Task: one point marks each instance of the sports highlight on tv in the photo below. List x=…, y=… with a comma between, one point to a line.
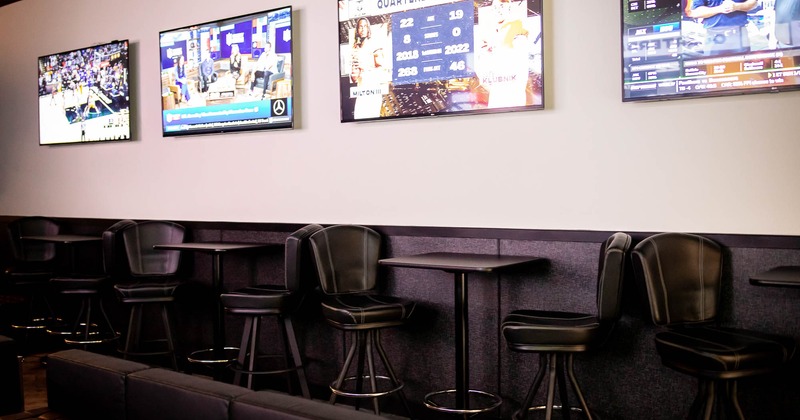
x=229, y=75
x=407, y=58
x=84, y=95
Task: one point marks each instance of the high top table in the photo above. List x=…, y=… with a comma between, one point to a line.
x=783, y=276
x=67, y=241
x=461, y=265
x=218, y=353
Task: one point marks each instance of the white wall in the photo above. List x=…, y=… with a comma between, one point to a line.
x=722, y=165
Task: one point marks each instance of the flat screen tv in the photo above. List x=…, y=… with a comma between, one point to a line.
x=694, y=48
x=228, y=75
x=439, y=57
x=84, y=96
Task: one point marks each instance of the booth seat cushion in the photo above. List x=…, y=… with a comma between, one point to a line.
x=275, y=406
x=86, y=385
x=11, y=400
x=164, y=394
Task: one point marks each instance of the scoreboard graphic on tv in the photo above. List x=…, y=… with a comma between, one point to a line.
x=401, y=58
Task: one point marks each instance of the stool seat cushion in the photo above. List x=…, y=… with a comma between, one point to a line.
x=545, y=331
x=264, y=299
x=144, y=290
x=723, y=352
x=363, y=311
x=79, y=285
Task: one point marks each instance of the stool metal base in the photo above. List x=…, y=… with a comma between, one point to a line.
x=483, y=402
x=210, y=356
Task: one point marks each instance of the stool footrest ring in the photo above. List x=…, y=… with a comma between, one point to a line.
x=365, y=378
x=490, y=402
x=238, y=368
x=94, y=338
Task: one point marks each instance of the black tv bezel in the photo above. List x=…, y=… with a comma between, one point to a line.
x=130, y=96
x=526, y=108
x=689, y=95
x=244, y=128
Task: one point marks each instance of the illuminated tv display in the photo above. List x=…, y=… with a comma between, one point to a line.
x=228, y=75
x=439, y=57
x=84, y=95
x=694, y=48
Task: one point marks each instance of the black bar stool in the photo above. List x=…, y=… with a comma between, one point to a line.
x=346, y=257
x=557, y=336
x=254, y=303
x=154, y=274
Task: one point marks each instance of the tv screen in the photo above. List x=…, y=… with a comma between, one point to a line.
x=692, y=48
x=83, y=95
x=439, y=57
x=228, y=75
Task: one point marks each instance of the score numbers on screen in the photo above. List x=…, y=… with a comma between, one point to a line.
x=432, y=43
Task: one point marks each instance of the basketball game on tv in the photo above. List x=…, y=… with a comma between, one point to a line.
x=439, y=57
x=693, y=48
x=228, y=75
x=83, y=95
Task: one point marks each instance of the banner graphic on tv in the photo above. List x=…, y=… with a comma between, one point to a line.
x=228, y=75
x=83, y=95
x=690, y=48
x=438, y=57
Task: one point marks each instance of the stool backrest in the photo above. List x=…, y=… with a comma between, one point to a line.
x=300, y=274
x=115, y=260
x=346, y=257
x=682, y=275
x=32, y=251
x=610, y=276
x=143, y=260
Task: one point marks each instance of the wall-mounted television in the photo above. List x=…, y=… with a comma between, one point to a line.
x=439, y=57
x=693, y=48
x=84, y=95
x=233, y=74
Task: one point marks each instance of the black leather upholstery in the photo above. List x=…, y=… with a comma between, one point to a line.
x=263, y=300
x=143, y=260
x=351, y=311
x=682, y=276
x=153, y=271
x=346, y=259
x=32, y=252
x=271, y=299
x=83, y=385
x=11, y=394
x=164, y=394
x=553, y=333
